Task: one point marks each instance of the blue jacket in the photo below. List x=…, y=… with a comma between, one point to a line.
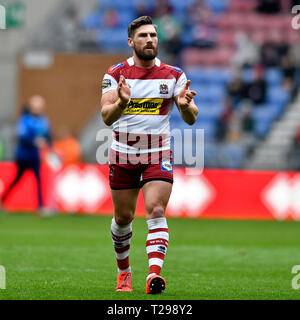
x=30, y=127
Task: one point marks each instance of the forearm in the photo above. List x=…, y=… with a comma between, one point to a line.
x=112, y=112
x=189, y=114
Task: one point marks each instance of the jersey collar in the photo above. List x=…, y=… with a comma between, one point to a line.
x=130, y=61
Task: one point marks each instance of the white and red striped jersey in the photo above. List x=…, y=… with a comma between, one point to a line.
x=152, y=100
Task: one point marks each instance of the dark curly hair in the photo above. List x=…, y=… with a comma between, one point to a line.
x=143, y=20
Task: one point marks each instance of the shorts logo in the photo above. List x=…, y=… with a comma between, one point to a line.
x=143, y=106
x=163, y=88
x=166, y=166
x=106, y=83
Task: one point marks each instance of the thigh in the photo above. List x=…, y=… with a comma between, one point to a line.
x=156, y=196
x=162, y=171
x=124, y=204
x=124, y=177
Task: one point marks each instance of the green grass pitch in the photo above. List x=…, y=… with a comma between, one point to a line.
x=71, y=257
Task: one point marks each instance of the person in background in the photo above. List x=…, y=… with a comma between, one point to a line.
x=256, y=90
x=290, y=75
x=247, y=53
x=201, y=21
x=236, y=88
x=111, y=18
x=33, y=133
x=161, y=8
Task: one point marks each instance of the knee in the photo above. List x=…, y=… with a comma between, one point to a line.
x=157, y=212
x=123, y=218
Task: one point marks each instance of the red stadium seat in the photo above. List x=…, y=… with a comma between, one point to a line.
x=232, y=21
x=293, y=37
x=219, y=56
x=273, y=36
x=258, y=36
x=242, y=6
x=226, y=38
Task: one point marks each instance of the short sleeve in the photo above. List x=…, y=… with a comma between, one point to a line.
x=108, y=83
x=180, y=83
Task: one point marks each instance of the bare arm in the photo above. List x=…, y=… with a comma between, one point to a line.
x=185, y=104
x=114, y=102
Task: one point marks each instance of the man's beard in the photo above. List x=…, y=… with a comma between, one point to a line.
x=144, y=55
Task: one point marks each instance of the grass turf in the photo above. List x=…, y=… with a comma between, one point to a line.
x=71, y=257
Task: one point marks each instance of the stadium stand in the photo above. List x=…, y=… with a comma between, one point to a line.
x=241, y=59
x=247, y=37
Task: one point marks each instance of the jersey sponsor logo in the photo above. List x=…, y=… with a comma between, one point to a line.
x=143, y=106
x=106, y=83
x=163, y=88
x=166, y=166
x=117, y=66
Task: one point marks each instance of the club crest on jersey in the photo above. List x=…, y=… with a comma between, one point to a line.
x=163, y=88
x=166, y=166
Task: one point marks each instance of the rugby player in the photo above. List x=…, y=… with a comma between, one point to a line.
x=137, y=98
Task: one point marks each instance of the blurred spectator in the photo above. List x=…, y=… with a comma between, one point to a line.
x=236, y=88
x=247, y=53
x=270, y=55
x=224, y=120
x=161, y=8
x=141, y=9
x=68, y=32
x=274, y=49
x=67, y=147
x=256, y=90
x=202, y=25
x=268, y=6
x=235, y=129
x=111, y=18
x=289, y=72
x=244, y=113
x=33, y=132
x=288, y=67
x=168, y=31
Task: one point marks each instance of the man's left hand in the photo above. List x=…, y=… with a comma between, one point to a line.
x=185, y=96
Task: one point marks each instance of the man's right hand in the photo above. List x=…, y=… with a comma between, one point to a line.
x=123, y=91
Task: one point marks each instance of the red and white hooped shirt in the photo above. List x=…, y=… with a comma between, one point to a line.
x=148, y=112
